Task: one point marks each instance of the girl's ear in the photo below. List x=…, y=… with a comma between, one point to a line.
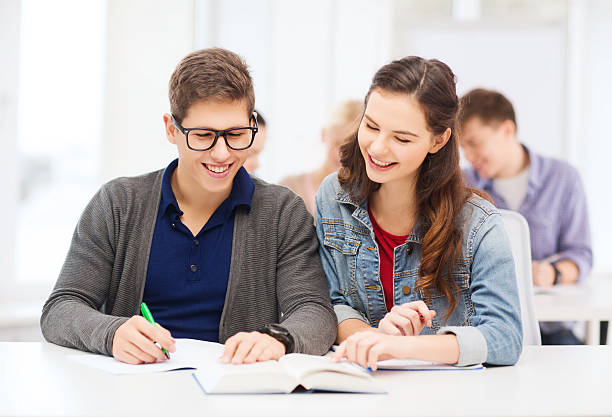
x=440, y=140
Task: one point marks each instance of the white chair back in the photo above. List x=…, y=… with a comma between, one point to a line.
x=518, y=233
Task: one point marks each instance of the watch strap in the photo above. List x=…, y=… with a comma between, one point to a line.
x=281, y=334
x=557, y=274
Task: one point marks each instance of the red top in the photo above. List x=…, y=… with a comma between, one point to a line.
x=386, y=244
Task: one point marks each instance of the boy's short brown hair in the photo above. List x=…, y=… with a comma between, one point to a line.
x=212, y=73
x=490, y=106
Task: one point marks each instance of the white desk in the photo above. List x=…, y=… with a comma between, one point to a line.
x=591, y=302
x=37, y=380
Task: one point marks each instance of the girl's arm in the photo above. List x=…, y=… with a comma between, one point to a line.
x=367, y=348
x=349, y=327
x=494, y=334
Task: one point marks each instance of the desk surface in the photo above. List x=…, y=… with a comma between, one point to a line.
x=589, y=301
x=36, y=379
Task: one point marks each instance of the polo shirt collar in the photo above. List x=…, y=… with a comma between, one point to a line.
x=168, y=199
x=241, y=194
x=242, y=190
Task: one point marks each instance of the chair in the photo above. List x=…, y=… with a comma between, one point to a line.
x=518, y=233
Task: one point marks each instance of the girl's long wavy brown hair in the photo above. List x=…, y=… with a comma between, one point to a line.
x=440, y=190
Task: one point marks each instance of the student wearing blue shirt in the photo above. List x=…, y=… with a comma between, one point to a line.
x=418, y=265
x=548, y=192
x=216, y=254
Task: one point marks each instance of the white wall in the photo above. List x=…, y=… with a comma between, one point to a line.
x=9, y=70
x=145, y=41
x=524, y=61
x=596, y=139
x=305, y=57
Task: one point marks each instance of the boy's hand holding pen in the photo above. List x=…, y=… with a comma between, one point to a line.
x=140, y=340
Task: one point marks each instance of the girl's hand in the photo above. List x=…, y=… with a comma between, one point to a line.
x=407, y=319
x=368, y=347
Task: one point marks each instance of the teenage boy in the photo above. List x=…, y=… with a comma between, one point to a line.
x=546, y=191
x=216, y=255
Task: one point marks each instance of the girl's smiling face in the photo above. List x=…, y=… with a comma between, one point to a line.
x=394, y=137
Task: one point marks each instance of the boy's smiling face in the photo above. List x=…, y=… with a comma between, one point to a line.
x=213, y=170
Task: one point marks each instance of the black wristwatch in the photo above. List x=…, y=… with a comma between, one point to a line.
x=279, y=333
x=557, y=274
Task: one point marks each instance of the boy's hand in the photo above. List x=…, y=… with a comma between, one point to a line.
x=543, y=274
x=251, y=347
x=134, y=342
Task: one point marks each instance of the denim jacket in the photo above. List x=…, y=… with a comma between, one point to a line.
x=487, y=319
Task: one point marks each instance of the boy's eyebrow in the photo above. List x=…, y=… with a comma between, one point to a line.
x=401, y=132
x=212, y=128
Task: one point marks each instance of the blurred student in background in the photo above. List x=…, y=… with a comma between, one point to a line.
x=252, y=162
x=546, y=191
x=342, y=120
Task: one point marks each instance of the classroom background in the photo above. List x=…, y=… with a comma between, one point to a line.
x=83, y=86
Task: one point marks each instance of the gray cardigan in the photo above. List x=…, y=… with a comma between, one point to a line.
x=275, y=273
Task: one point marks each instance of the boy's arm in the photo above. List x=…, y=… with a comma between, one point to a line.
x=575, y=236
x=301, y=286
x=71, y=315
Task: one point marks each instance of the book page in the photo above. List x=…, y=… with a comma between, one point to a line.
x=299, y=365
x=189, y=354
x=417, y=365
x=321, y=373
x=260, y=377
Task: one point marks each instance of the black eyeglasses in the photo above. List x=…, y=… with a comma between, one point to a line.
x=202, y=139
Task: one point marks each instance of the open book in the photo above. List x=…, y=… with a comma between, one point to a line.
x=282, y=376
x=291, y=371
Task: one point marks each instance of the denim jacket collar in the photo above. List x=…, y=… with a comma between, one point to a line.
x=361, y=214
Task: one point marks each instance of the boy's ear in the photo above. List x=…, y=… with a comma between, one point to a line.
x=171, y=130
x=440, y=140
x=508, y=128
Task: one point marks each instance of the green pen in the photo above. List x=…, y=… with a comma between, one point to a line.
x=147, y=315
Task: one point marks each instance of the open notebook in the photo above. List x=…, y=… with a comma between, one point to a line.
x=417, y=365
x=285, y=375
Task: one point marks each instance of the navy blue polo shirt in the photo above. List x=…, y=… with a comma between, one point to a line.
x=187, y=275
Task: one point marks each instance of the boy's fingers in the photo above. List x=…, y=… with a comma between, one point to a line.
x=168, y=335
x=256, y=353
x=146, y=345
x=242, y=351
x=139, y=354
x=230, y=347
x=127, y=357
x=157, y=334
